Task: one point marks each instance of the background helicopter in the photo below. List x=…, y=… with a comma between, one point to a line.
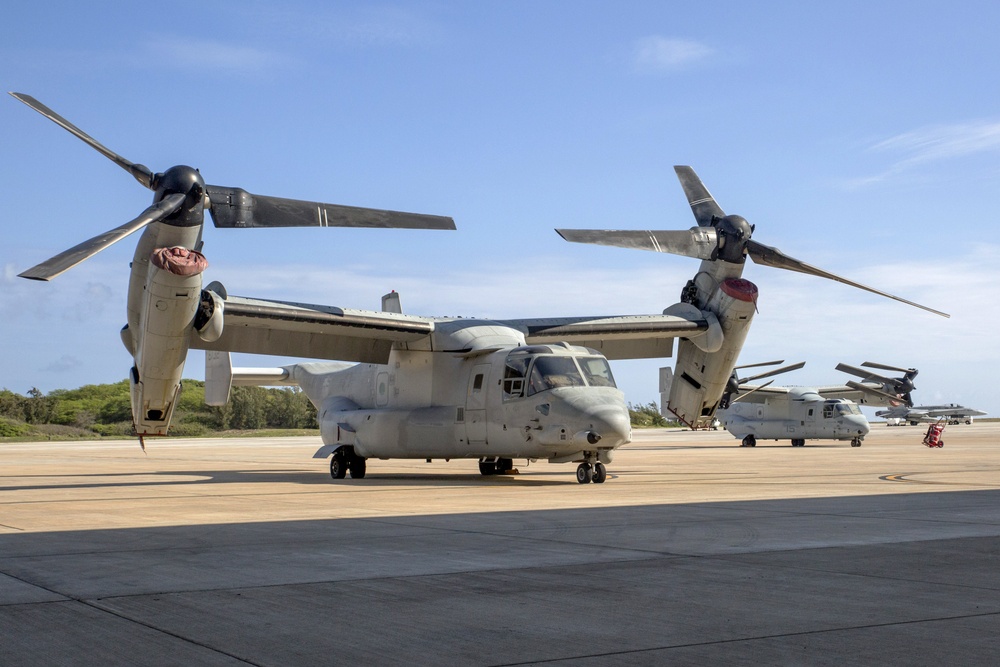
x=755, y=412
x=426, y=386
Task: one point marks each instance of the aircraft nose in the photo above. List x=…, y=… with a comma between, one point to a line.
x=610, y=426
x=859, y=425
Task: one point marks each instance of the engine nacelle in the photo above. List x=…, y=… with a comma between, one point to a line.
x=701, y=376
x=166, y=315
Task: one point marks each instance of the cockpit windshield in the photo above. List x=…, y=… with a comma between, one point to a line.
x=848, y=409
x=553, y=372
x=527, y=374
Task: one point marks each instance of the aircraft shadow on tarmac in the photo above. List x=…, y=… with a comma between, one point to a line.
x=310, y=478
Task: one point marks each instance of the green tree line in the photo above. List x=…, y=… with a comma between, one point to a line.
x=105, y=410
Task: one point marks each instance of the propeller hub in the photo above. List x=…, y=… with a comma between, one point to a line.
x=188, y=182
x=734, y=234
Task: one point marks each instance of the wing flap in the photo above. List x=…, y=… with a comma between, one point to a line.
x=260, y=326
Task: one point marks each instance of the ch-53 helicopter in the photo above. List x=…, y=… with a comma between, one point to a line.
x=764, y=412
x=423, y=387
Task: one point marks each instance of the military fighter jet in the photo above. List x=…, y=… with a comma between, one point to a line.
x=423, y=387
x=954, y=414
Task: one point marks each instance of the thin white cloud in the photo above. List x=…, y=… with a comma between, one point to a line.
x=354, y=27
x=658, y=53
x=215, y=55
x=933, y=144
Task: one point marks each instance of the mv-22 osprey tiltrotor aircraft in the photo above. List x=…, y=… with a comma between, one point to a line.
x=764, y=412
x=422, y=387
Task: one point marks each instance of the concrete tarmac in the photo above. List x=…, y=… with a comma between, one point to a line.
x=694, y=552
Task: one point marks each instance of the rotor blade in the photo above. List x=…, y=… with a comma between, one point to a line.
x=742, y=396
x=235, y=207
x=697, y=242
x=872, y=364
x=776, y=371
x=702, y=203
x=139, y=172
x=881, y=394
x=863, y=374
x=768, y=256
x=67, y=259
x=763, y=363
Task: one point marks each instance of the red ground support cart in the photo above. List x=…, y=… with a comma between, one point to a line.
x=934, y=431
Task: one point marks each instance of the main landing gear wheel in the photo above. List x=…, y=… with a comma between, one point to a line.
x=358, y=466
x=749, y=441
x=856, y=442
x=338, y=466
x=487, y=467
x=600, y=473
x=798, y=442
x=585, y=473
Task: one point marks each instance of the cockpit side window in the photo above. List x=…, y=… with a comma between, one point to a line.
x=597, y=371
x=551, y=372
x=514, y=376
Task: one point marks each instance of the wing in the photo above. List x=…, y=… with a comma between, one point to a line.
x=620, y=337
x=281, y=328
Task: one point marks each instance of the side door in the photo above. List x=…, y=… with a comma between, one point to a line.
x=475, y=405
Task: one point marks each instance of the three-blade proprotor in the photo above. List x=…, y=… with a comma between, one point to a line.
x=140, y=172
x=735, y=382
x=67, y=259
x=718, y=238
x=230, y=207
x=697, y=242
x=892, y=398
x=236, y=208
x=769, y=256
x=900, y=387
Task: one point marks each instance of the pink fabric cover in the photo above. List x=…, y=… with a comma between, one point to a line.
x=179, y=261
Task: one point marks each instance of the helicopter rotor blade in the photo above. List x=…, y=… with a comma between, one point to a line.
x=697, y=242
x=763, y=363
x=740, y=397
x=770, y=256
x=237, y=208
x=67, y=259
x=139, y=172
x=872, y=364
x=776, y=371
x=702, y=203
x=863, y=374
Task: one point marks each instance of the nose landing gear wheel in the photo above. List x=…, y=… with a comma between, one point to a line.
x=856, y=442
x=584, y=473
x=600, y=473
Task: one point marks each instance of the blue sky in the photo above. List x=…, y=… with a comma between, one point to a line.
x=860, y=137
